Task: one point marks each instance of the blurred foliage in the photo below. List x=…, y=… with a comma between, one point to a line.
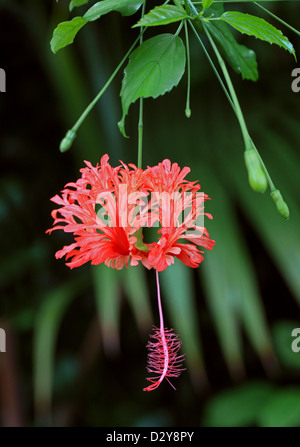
x=255, y=404
x=76, y=339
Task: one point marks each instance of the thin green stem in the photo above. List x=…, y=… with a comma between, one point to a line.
x=234, y=98
x=141, y=110
x=213, y=66
x=279, y=19
x=271, y=184
x=231, y=95
x=179, y=28
x=72, y=132
x=140, y=135
x=249, y=145
x=194, y=11
x=187, y=107
x=161, y=317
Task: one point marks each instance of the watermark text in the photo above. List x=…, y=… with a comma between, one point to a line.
x=151, y=209
x=296, y=82
x=2, y=81
x=2, y=340
x=296, y=341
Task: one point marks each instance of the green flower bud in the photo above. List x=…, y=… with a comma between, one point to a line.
x=257, y=178
x=188, y=112
x=281, y=206
x=67, y=142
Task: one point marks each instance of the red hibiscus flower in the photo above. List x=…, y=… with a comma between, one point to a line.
x=107, y=208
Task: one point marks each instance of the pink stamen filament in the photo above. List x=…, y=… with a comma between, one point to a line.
x=163, y=359
x=162, y=331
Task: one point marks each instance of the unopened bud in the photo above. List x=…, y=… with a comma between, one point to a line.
x=188, y=112
x=281, y=206
x=257, y=178
x=67, y=142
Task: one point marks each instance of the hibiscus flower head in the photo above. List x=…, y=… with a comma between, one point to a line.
x=107, y=209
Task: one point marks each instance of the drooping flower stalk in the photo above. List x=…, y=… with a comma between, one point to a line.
x=163, y=358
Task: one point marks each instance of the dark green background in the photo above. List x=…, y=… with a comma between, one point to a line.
x=99, y=370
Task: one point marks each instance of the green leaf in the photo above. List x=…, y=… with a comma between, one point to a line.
x=125, y=7
x=65, y=33
x=241, y=58
x=76, y=3
x=237, y=407
x=154, y=68
x=282, y=409
x=162, y=15
x=207, y=3
x=257, y=27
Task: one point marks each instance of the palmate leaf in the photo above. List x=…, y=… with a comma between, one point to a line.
x=162, y=15
x=154, y=68
x=65, y=32
x=239, y=57
x=257, y=27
